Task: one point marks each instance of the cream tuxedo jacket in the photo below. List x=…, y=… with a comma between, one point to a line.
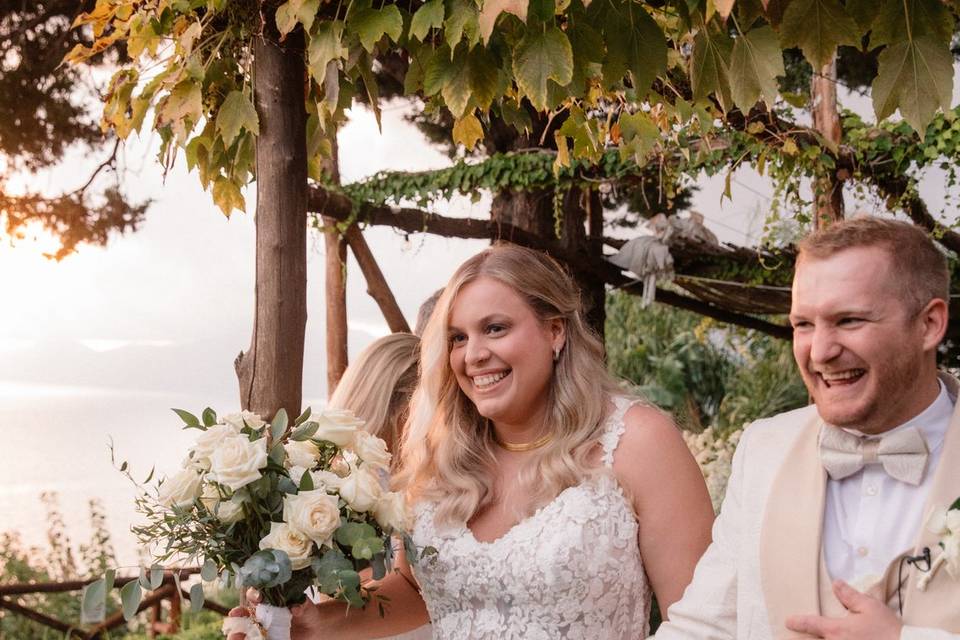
x=764, y=561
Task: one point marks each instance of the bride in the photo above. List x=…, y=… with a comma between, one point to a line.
x=555, y=502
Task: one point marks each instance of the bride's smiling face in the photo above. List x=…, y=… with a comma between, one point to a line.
x=500, y=351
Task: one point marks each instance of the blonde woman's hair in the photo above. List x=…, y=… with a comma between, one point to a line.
x=447, y=450
x=377, y=385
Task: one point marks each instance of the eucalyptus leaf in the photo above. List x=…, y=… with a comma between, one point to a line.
x=130, y=596
x=279, y=424
x=303, y=417
x=352, y=532
x=196, y=597
x=379, y=566
x=305, y=431
x=144, y=580
x=93, y=603
x=156, y=576
x=208, y=572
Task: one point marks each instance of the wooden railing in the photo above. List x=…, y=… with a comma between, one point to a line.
x=168, y=590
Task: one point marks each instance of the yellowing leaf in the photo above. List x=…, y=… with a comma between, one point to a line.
x=541, y=56
x=294, y=11
x=372, y=24
x=184, y=102
x=237, y=112
x=640, y=136
x=817, y=27
x=755, y=63
x=467, y=131
x=227, y=196
x=189, y=37
x=916, y=77
x=326, y=44
x=493, y=8
x=429, y=16
x=790, y=147
x=563, y=152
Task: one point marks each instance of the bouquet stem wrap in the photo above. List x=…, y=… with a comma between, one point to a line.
x=275, y=620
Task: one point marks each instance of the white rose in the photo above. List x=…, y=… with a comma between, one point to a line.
x=371, y=449
x=314, y=514
x=242, y=419
x=361, y=489
x=207, y=443
x=296, y=474
x=953, y=520
x=181, y=489
x=302, y=453
x=937, y=522
x=338, y=427
x=326, y=480
x=296, y=545
x=951, y=552
x=229, y=511
x=237, y=461
x=392, y=513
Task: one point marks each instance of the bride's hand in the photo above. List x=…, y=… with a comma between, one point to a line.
x=307, y=622
x=253, y=598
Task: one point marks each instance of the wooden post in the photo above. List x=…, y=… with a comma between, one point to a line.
x=826, y=120
x=335, y=281
x=271, y=372
x=377, y=285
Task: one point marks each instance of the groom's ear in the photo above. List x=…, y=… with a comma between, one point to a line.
x=934, y=317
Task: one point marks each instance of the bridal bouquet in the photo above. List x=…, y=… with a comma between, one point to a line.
x=279, y=507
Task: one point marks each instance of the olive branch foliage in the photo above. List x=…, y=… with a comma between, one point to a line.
x=650, y=80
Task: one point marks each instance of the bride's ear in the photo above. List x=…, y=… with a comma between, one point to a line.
x=558, y=334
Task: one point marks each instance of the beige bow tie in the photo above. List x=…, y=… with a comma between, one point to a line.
x=902, y=453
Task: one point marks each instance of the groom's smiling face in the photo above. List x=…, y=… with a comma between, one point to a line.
x=862, y=351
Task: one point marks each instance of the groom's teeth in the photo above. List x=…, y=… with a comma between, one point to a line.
x=841, y=375
x=487, y=380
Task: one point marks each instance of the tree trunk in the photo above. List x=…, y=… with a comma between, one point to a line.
x=826, y=120
x=533, y=211
x=271, y=372
x=335, y=265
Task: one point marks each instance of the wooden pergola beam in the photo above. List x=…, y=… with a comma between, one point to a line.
x=377, y=285
x=338, y=206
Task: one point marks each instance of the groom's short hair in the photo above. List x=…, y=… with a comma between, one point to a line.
x=920, y=265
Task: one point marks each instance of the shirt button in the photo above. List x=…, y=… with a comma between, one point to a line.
x=862, y=552
x=871, y=490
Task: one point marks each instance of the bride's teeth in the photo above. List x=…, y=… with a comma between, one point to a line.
x=487, y=380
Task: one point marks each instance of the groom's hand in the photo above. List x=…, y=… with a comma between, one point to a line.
x=868, y=619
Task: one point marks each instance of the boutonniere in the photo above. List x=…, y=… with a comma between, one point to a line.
x=945, y=523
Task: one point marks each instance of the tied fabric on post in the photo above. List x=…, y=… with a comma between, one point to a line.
x=902, y=453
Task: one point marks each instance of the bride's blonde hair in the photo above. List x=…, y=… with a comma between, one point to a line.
x=447, y=454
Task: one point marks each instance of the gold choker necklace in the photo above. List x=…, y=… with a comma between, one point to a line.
x=523, y=446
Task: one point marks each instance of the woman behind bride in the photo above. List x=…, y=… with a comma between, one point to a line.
x=554, y=501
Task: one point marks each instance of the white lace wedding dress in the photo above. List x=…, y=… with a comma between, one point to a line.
x=572, y=570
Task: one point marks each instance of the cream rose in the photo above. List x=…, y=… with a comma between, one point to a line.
x=284, y=538
x=338, y=427
x=937, y=522
x=302, y=453
x=953, y=520
x=314, y=514
x=326, y=480
x=237, y=461
x=371, y=449
x=392, y=513
x=296, y=474
x=229, y=511
x=207, y=443
x=180, y=490
x=242, y=419
x=361, y=489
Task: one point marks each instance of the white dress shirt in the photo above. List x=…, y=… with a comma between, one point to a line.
x=870, y=518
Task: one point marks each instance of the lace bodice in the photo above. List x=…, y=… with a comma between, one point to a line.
x=571, y=570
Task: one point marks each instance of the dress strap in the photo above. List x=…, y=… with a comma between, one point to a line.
x=614, y=428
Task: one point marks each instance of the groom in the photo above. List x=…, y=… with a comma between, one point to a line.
x=823, y=530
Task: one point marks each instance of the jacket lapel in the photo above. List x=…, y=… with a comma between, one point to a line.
x=790, y=534
x=942, y=591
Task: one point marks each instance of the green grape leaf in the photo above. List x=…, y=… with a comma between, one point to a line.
x=492, y=9
x=640, y=136
x=429, y=16
x=237, y=112
x=483, y=76
x=710, y=64
x=901, y=20
x=818, y=27
x=916, y=77
x=326, y=44
x=635, y=43
x=371, y=25
x=541, y=56
x=755, y=63
x=462, y=21
x=864, y=12
x=456, y=85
